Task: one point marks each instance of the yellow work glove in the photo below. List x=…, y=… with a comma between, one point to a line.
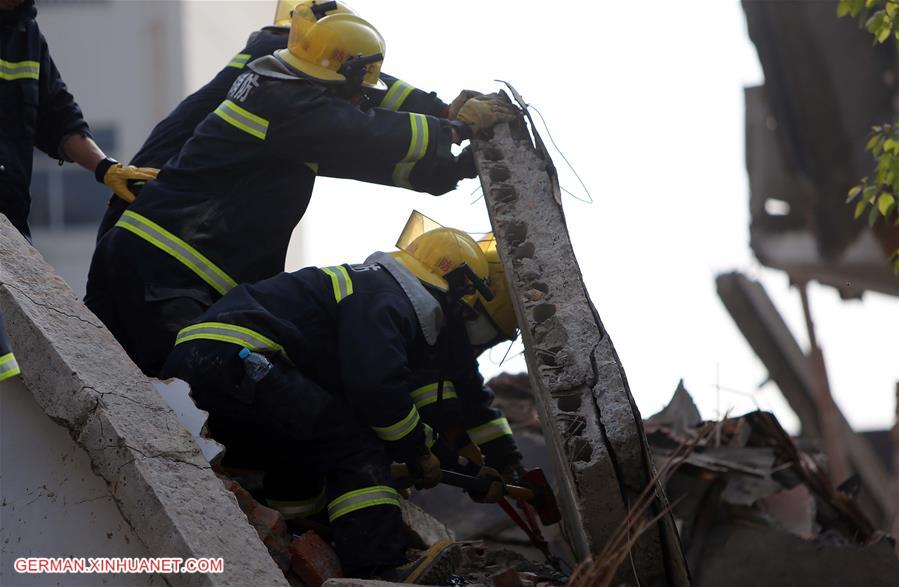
x=463, y=97
x=483, y=112
x=496, y=489
x=116, y=176
x=425, y=470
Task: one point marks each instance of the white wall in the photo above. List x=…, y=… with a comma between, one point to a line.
x=123, y=61
x=51, y=503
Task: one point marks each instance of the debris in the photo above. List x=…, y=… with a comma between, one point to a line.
x=424, y=529
x=754, y=509
x=157, y=476
x=589, y=418
x=771, y=339
x=508, y=578
x=268, y=523
x=313, y=560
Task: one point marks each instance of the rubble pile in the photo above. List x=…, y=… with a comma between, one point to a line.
x=753, y=508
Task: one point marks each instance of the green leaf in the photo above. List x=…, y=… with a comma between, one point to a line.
x=873, y=215
x=875, y=22
x=856, y=190
x=884, y=202
x=859, y=208
x=844, y=8
x=890, y=145
x=884, y=34
x=892, y=8
x=872, y=141
x=869, y=193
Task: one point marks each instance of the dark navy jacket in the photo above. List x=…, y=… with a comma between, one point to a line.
x=354, y=330
x=36, y=109
x=174, y=130
x=227, y=204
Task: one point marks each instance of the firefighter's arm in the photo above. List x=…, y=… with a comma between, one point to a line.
x=403, y=97
x=378, y=146
x=485, y=425
x=373, y=333
x=58, y=115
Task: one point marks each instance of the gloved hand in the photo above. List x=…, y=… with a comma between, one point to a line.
x=116, y=176
x=425, y=470
x=463, y=97
x=513, y=474
x=484, y=112
x=496, y=489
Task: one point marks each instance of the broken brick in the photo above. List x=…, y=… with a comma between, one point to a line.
x=313, y=560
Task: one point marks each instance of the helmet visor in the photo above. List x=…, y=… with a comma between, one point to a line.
x=417, y=225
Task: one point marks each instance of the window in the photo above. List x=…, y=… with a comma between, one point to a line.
x=68, y=196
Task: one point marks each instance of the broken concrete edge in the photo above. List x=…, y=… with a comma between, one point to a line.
x=85, y=382
x=588, y=414
x=770, y=338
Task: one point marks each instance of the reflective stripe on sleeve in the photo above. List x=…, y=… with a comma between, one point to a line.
x=239, y=61
x=294, y=509
x=242, y=119
x=9, y=367
x=418, y=146
x=427, y=394
x=396, y=95
x=399, y=430
x=232, y=333
x=490, y=431
x=362, y=498
x=10, y=70
x=340, y=281
x=174, y=246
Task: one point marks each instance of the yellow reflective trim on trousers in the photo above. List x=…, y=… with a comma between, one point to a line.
x=294, y=509
x=180, y=250
x=362, y=498
x=9, y=367
x=399, y=430
x=430, y=436
x=232, y=333
x=490, y=431
x=340, y=281
x=428, y=394
x=396, y=95
x=418, y=146
x=240, y=60
x=13, y=70
x=242, y=119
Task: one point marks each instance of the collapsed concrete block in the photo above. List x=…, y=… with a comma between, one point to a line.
x=84, y=381
x=589, y=418
x=769, y=336
x=424, y=529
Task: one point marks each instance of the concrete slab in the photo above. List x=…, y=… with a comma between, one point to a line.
x=84, y=381
x=589, y=418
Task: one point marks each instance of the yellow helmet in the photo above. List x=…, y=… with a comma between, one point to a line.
x=340, y=49
x=445, y=258
x=499, y=309
x=309, y=10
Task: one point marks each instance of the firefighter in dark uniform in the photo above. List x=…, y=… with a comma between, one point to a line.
x=36, y=110
x=222, y=211
x=167, y=137
x=340, y=401
x=450, y=394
